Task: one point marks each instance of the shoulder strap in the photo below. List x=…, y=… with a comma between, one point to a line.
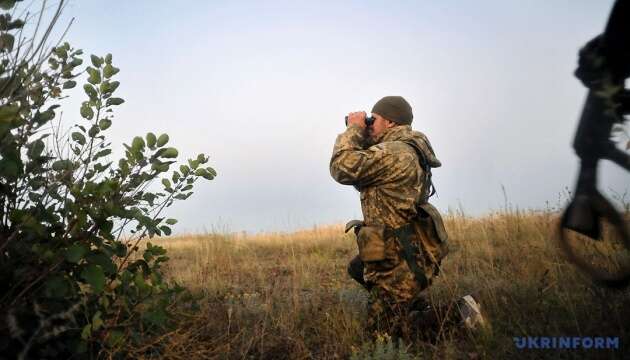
x=403, y=233
x=424, y=164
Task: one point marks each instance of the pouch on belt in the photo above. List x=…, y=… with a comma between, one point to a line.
x=370, y=240
x=432, y=232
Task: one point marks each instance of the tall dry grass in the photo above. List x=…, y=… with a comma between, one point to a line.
x=288, y=296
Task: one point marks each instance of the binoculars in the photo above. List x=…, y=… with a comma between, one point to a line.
x=368, y=121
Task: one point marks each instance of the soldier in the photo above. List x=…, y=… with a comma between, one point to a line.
x=401, y=238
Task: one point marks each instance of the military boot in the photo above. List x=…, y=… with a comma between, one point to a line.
x=470, y=312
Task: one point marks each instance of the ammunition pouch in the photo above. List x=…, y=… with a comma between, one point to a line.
x=432, y=233
x=370, y=240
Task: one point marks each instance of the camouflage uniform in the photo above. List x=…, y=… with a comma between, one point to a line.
x=392, y=182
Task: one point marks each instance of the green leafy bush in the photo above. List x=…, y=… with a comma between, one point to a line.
x=75, y=275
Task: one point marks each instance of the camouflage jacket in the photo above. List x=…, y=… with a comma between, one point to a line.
x=391, y=176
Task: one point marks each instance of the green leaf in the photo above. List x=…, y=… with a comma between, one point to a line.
x=97, y=322
x=102, y=153
x=75, y=253
x=94, y=130
x=187, y=187
x=137, y=144
x=149, y=197
x=123, y=165
x=96, y=61
x=114, y=101
x=166, y=183
x=109, y=70
x=69, y=84
x=76, y=61
x=104, y=124
x=158, y=250
x=171, y=221
x=162, y=140
x=93, y=275
x=54, y=64
x=166, y=230
x=108, y=58
x=61, y=52
x=151, y=140
x=113, y=86
x=86, y=332
x=90, y=91
x=16, y=24
x=103, y=260
x=78, y=137
x=160, y=167
x=35, y=149
x=138, y=280
x=44, y=116
x=170, y=153
x=34, y=197
x=202, y=159
x=120, y=249
x=62, y=165
x=86, y=111
x=10, y=168
x=194, y=164
x=7, y=4
x=207, y=173
x=6, y=42
x=148, y=254
x=104, y=87
x=8, y=112
x=95, y=76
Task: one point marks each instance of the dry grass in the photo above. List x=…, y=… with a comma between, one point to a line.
x=276, y=296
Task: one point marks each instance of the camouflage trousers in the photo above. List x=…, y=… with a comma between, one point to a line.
x=396, y=304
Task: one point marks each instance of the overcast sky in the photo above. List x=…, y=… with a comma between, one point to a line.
x=263, y=87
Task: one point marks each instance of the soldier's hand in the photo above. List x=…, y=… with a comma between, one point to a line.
x=357, y=118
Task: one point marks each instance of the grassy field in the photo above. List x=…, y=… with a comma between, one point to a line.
x=287, y=296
